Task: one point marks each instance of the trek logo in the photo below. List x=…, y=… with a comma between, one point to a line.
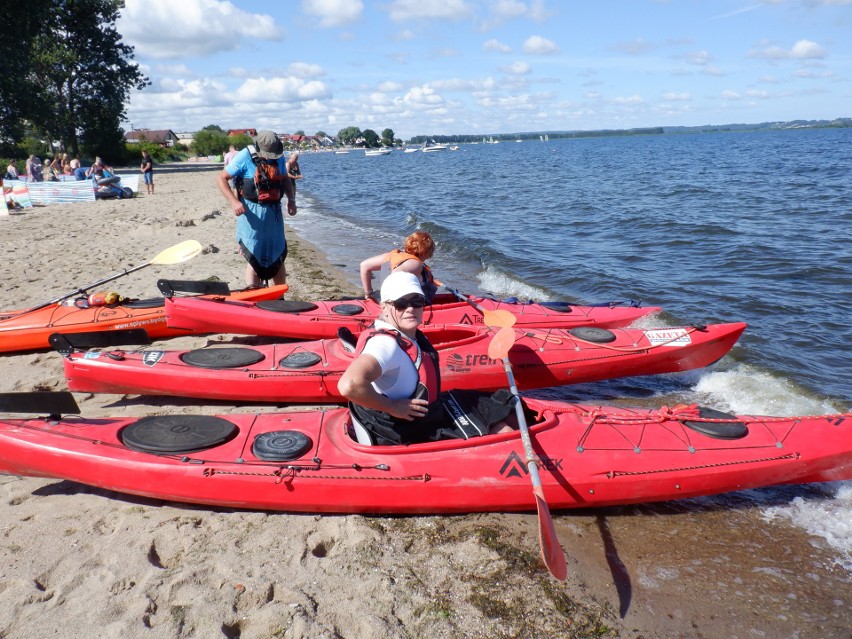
x=464, y=363
x=152, y=357
x=467, y=319
x=514, y=466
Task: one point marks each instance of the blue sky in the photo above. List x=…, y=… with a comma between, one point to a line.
x=439, y=67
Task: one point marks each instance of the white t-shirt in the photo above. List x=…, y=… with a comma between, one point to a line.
x=399, y=378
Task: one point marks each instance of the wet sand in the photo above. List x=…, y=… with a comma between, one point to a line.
x=78, y=561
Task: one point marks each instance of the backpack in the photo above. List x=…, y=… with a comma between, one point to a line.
x=266, y=186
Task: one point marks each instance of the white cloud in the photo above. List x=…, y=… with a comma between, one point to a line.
x=672, y=96
x=390, y=87
x=180, y=70
x=801, y=50
x=403, y=10
x=334, y=13
x=805, y=49
x=277, y=90
x=728, y=94
x=168, y=29
x=517, y=68
x=495, y=45
x=539, y=45
x=423, y=97
x=305, y=70
x=632, y=99
x=699, y=58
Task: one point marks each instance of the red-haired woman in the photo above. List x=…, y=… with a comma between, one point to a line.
x=417, y=248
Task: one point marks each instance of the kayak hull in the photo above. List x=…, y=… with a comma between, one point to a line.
x=22, y=331
x=277, y=372
x=590, y=456
x=323, y=320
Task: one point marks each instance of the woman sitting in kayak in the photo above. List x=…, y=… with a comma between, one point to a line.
x=394, y=384
x=417, y=248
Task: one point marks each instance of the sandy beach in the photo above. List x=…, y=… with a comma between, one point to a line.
x=81, y=562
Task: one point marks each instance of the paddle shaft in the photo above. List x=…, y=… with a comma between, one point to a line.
x=551, y=550
x=83, y=289
x=494, y=319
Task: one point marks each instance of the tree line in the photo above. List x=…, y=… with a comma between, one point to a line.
x=67, y=78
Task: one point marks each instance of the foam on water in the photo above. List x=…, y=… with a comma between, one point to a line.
x=829, y=518
x=502, y=285
x=745, y=389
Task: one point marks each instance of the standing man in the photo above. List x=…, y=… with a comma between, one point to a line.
x=260, y=179
x=147, y=170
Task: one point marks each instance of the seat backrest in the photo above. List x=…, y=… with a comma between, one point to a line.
x=362, y=435
x=347, y=338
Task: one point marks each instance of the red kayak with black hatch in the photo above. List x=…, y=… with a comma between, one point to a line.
x=318, y=320
x=309, y=371
x=310, y=461
x=30, y=329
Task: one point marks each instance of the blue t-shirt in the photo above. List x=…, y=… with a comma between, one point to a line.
x=80, y=173
x=261, y=228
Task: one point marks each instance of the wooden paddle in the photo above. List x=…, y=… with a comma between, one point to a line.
x=495, y=319
x=173, y=255
x=551, y=550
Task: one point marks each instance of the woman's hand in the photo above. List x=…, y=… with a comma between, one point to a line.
x=409, y=409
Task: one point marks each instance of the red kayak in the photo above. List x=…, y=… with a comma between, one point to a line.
x=317, y=320
x=309, y=371
x=309, y=461
x=23, y=330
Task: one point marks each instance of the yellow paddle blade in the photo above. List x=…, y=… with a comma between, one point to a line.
x=501, y=343
x=178, y=253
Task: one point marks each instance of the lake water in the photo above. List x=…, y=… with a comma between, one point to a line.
x=750, y=227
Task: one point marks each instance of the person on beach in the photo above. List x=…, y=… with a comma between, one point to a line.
x=147, y=170
x=394, y=385
x=260, y=177
x=293, y=170
x=230, y=155
x=11, y=171
x=417, y=248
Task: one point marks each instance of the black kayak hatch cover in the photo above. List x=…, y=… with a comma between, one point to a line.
x=300, y=359
x=593, y=334
x=347, y=309
x=718, y=430
x=221, y=357
x=177, y=434
x=286, y=306
x=281, y=445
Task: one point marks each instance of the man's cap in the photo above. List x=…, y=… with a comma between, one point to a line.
x=268, y=145
x=399, y=284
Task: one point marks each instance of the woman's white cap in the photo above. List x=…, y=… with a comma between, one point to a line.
x=399, y=284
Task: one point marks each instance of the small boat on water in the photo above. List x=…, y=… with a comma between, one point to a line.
x=432, y=148
x=320, y=319
x=375, y=152
x=341, y=152
x=308, y=371
x=310, y=461
x=411, y=150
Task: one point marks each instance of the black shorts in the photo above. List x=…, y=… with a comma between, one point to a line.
x=458, y=414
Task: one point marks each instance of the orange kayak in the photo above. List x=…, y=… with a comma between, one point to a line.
x=25, y=330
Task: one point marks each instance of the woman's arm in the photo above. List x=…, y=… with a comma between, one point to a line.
x=367, y=267
x=356, y=385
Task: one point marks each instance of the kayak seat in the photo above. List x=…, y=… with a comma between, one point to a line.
x=347, y=338
x=361, y=434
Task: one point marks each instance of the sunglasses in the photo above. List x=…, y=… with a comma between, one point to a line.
x=418, y=301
